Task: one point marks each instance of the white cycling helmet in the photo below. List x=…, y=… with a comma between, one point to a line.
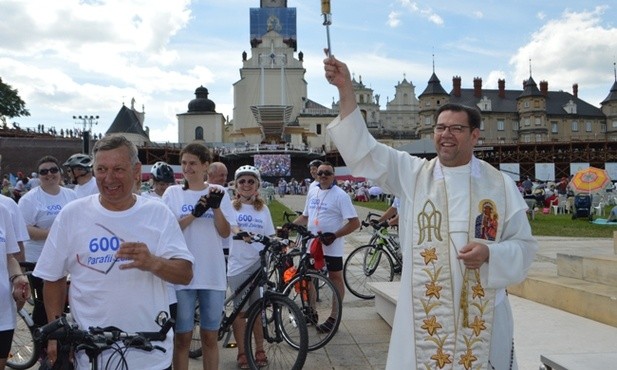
x=163, y=172
x=248, y=170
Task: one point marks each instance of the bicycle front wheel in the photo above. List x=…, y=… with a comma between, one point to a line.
x=279, y=318
x=24, y=349
x=195, y=347
x=366, y=264
x=318, y=299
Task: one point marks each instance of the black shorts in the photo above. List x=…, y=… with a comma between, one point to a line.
x=334, y=263
x=6, y=339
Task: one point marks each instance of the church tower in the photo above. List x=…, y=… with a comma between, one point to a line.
x=201, y=122
x=271, y=91
x=433, y=97
x=609, y=108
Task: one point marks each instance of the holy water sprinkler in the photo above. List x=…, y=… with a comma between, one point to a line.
x=327, y=21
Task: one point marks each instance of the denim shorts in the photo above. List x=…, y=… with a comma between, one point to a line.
x=211, y=304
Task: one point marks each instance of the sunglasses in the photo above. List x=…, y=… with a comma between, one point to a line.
x=325, y=173
x=45, y=171
x=249, y=181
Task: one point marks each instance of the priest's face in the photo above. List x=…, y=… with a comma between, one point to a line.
x=454, y=138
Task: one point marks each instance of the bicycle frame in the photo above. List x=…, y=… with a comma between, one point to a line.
x=382, y=238
x=257, y=280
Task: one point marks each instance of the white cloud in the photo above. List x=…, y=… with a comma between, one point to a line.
x=541, y=15
x=576, y=48
x=425, y=12
x=493, y=78
x=478, y=14
x=394, y=19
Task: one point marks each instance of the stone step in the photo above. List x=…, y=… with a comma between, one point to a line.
x=386, y=296
x=583, y=298
x=594, y=269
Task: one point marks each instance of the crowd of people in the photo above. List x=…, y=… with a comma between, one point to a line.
x=169, y=246
x=464, y=235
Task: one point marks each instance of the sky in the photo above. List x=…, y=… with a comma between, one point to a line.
x=87, y=57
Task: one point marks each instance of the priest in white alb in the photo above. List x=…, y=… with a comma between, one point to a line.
x=464, y=235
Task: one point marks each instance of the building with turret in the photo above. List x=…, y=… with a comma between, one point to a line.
x=273, y=111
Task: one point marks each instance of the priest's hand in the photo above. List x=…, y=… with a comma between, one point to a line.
x=474, y=255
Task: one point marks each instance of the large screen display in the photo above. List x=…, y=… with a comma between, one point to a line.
x=273, y=165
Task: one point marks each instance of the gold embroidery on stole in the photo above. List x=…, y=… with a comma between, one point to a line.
x=443, y=340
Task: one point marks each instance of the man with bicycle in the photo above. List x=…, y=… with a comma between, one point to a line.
x=329, y=211
x=449, y=286
x=120, y=249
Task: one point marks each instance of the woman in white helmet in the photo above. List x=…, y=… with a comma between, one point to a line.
x=253, y=216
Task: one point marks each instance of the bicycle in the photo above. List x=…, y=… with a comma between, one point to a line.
x=379, y=261
x=25, y=351
x=285, y=334
x=309, y=288
x=96, y=340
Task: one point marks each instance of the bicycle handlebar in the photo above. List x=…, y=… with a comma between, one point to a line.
x=300, y=229
x=371, y=215
x=101, y=338
x=376, y=225
x=287, y=216
x=273, y=243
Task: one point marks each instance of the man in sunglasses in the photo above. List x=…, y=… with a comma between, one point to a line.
x=329, y=211
x=80, y=170
x=452, y=307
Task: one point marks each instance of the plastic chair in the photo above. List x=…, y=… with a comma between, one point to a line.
x=561, y=207
x=531, y=205
x=599, y=209
x=555, y=206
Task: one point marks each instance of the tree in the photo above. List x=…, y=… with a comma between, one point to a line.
x=11, y=104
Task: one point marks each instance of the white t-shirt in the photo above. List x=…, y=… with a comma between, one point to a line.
x=86, y=189
x=201, y=237
x=314, y=184
x=396, y=203
x=40, y=209
x=21, y=230
x=152, y=195
x=8, y=245
x=171, y=290
x=327, y=211
x=82, y=242
x=241, y=254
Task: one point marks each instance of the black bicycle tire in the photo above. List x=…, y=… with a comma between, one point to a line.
x=21, y=324
x=279, y=304
x=195, y=350
x=290, y=288
x=350, y=282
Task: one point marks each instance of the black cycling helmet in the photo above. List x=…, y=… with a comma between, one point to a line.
x=163, y=172
x=79, y=160
x=315, y=163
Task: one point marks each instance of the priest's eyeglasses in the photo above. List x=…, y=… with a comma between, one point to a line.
x=454, y=129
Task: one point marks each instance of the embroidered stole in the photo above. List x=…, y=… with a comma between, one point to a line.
x=443, y=339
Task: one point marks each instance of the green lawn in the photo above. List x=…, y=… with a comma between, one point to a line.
x=564, y=225
x=543, y=225
x=276, y=210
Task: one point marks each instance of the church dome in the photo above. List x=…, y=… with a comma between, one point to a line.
x=201, y=103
